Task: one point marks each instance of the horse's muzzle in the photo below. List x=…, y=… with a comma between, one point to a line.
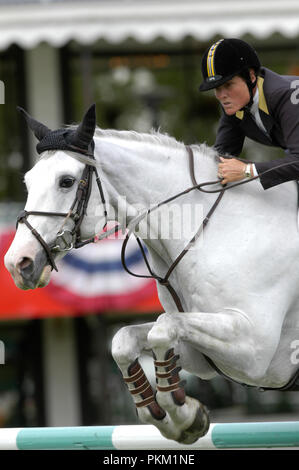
x=29, y=273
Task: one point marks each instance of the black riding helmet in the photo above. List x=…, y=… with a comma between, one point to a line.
x=224, y=60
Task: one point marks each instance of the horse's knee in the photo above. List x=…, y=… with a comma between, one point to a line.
x=124, y=346
x=163, y=333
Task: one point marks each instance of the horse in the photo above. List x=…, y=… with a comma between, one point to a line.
x=237, y=285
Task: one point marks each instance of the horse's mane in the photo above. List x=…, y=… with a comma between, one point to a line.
x=154, y=137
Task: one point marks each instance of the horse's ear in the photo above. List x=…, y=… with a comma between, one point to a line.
x=85, y=131
x=39, y=129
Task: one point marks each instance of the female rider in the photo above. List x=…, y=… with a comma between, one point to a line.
x=256, y=103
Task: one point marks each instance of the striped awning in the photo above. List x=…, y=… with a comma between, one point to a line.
x=29, y=23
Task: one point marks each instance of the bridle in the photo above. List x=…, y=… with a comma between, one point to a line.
x=68, y=239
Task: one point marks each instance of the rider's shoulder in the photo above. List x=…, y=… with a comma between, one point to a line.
x=273, y=81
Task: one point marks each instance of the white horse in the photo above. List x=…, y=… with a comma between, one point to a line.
x=238, y=287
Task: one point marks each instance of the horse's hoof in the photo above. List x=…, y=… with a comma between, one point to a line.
x=198, y=428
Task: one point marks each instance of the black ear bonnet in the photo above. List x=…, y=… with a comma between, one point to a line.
x=78, y=140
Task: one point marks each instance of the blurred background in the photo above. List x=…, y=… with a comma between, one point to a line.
x=139, y=61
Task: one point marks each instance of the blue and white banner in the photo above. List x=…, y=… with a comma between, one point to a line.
x=94, y=276
x=90, y=280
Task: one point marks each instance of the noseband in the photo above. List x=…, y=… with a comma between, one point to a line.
x=67, y=239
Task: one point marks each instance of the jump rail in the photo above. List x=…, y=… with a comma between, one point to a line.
x=147, y=437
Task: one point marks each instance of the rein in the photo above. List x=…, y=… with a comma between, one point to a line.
x=164, y=281
x=68, y=239
x=234, y=185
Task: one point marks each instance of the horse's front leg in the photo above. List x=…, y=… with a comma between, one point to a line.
x=190, y=418
x=228, y=337
x=127, y=346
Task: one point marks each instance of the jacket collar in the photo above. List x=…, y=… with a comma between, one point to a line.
x=262, y=100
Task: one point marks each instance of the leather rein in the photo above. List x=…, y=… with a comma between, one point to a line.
x=164, y=281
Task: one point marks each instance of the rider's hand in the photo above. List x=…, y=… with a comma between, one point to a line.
x=231, y=169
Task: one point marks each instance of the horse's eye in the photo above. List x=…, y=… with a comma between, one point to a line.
x=66, y=182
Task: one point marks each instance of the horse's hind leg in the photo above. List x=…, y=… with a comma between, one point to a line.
x=127, y=346
x=189, y=416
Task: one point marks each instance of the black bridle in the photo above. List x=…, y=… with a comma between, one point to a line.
x=67, y=239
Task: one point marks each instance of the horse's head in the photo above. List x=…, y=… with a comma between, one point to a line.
x=59, y=188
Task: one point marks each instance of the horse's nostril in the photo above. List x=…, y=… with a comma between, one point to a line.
x=25, y=266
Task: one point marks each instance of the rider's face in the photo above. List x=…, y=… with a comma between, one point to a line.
x=233, y=95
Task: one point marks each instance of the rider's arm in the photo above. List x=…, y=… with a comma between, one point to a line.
x=230, y=137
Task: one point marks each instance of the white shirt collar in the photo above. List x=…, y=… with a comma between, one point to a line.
x=255, y=112
x=255, y=105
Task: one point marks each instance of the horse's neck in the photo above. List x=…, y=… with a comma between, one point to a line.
x=139, y=175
